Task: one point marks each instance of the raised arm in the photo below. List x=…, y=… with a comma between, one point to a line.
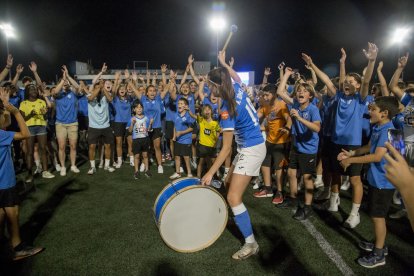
x=19, y=70
x=33, y=68
x=383, y=82
x=402, y=62
x=342, y=71
x=313, y=75
x=281, y=67
x=266, y=75
x=97, y=77
x=321, y=75
x=70, y=79
x=187, y=69
x=117, y=82
x=190, y=64
x=24, y=130
x=163, y=76
x=371, y=55
x=172, y=85
x=233, y=74
x=6, y=69
x=201, y=88
x=281, y=89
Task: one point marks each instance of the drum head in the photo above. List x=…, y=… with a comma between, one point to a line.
x=193, y=219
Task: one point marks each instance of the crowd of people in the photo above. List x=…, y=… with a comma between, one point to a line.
x=290, y=135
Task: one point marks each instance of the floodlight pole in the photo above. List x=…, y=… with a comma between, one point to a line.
x=217, y=46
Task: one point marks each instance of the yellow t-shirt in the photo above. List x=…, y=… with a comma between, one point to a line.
x=275, y=116
x=209, y=132
x=27, y=106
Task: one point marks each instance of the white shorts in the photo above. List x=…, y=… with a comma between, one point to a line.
x=249, y=160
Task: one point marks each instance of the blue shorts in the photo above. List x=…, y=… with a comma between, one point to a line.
x=37, y=130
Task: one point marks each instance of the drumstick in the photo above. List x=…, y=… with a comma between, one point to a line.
x=233, y=29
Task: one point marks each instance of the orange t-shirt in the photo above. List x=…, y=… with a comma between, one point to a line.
x=275, y=116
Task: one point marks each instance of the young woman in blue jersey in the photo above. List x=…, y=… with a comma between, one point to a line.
x=306, y=123
x=350, y=103
x=238, y=117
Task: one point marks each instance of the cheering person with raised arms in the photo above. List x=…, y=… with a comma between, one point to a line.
x=238, y=117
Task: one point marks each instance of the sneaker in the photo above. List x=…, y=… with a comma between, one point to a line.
x=302, y=213
x=163, y=158
x=24, y=251
x=334, y=203
x=137, y=175
x=193, y=163
x=74, y=169
x=38, y=170
x=352, y=221
x=263, y=193
x=117, y=165
x=148, y=174
x=247, y=250
x=63, y=171
x=175, y=176
x=369, y=247
x=92, y=170
x=345, y=184
x=288, y=202
x=372, y=260
x=29, y=178
x=181, y=170
x=142, y=167
x=101, y=164
x=58, y=167
x=396, y=198
x=109, y=169
x=278, y=199
x=323, y=195
x=257, y=186
x=131, y=162
x=399, y=214
x=318, y=183
x=47, y=174
x=160, y=169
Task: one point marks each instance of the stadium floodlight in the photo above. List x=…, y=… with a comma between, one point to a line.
x=400, y=35
x=8, y=31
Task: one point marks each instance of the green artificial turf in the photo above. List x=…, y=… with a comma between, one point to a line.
x=104, y=225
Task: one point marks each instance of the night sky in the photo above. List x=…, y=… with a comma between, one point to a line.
x=53, y=33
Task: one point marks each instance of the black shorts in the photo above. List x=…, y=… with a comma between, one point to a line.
x=9, y=197
x=140, y=145
x=83, y=123
x=306, y=163
x=276, y=155
x=205, y=151
x=182, y=149
x=155, y=133
x=379, y=201
x=195, y=128
x=95, y=133
x=328, y=147
x=51, y=132
x=169, y=130
x=119, y=129
x=352, y=170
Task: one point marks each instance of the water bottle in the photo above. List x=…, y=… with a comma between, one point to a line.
x=216, y=184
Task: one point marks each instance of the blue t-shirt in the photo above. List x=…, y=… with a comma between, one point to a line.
x=15, y=101
x=7, y=175
x=214, y=115
x=190, y=99
x=152, y=109
x=20, y=93
x=182, y=123
x=348, y=119
x=140, y=128
x=398, y=121
x=122, y=110
x=366, y=125
x=245, y=123
x=82, y=105
x=305, y=140
x=170, y=108
x=66, y=107
x=327, y=114
x=376, y=173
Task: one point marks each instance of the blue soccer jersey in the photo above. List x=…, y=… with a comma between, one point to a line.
x=348, y=119
x=408, y=101
x=82, y=105
x=190, y=99
x=181, y=123
x=7, y=175
x=152, y=109
x=304, y=139
x=328, y=114
x=376, y=173
x=140, y=127
x=170, y=108
x=66, y=107
x=245, y=123
x=398, y=121
x=122, y=110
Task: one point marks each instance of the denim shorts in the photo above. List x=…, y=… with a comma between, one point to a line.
x=37, y=130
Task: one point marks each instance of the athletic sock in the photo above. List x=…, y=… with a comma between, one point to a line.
x=107, y=161
x=319, y=177
x=355, y=208
x=92, y=163
x=242, y=219
x=119, y=160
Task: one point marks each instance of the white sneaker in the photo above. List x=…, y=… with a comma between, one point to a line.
x=38, y=170
x=63, y=171
x=74, y=169
x=193, y=163
x=117, y=165
x=352, y=221
x=334, y=203
x=131, y=162
x=399, y=214
x=396, y=198
x=142, y=167
x=345, y=184
x=58, y=167
x=109, y=169
x=92, y=170
x=46, y=174
x=247, y=250
x=175, y=176
x=160, y=169
x=101, y=164
x=181, y=170
x=318, y=183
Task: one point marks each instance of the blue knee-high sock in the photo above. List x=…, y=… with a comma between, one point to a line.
x=242, y=219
